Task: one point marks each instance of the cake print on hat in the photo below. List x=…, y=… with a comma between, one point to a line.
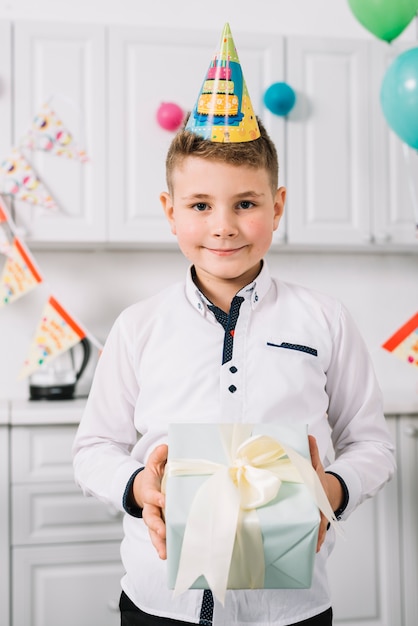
x=223, y=112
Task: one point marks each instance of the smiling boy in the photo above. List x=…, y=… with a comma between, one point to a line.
x=230, y=344
x=223, y=215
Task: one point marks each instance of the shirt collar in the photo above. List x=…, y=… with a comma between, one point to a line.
x=254, y=292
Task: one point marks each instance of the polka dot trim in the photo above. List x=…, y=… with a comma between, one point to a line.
x=295, y=346
x=206, y=612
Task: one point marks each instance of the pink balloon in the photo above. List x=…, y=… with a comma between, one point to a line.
x=169, y=115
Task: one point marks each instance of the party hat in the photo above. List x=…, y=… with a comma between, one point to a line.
x=223, y=112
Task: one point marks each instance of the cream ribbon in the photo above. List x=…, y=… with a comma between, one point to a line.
x=223, y=510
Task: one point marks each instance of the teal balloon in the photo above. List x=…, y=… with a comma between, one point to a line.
x=399, y=96
x=279, y=98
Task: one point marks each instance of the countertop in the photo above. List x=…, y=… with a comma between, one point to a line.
x=39, y=412
x=21, y=412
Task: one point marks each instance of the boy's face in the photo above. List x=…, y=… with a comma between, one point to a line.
x=224, y=217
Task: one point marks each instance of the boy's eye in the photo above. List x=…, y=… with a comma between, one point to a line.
x=245, y=204
x=200, y=206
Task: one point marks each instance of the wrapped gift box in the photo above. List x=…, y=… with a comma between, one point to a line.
x=289, y=523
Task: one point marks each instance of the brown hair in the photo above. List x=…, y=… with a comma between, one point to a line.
x=259, y=153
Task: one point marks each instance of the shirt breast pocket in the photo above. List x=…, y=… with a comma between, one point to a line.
x=298, y=347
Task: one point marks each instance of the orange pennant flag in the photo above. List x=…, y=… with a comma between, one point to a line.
x=404, y=342
x=3, y=217
x=20, y=273
x=6, y=236
x=56, y=333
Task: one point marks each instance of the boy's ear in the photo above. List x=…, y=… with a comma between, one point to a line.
x=168, y=208
x=279, y=202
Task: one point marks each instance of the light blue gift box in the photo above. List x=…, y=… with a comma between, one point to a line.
x=289, y=523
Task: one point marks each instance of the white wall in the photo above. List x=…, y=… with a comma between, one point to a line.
x=328, y=18
x=380, y=290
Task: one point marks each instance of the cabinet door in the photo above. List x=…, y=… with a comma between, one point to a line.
x=64, y=63
x=60, y=513
x=4, y=525
x=328, y=139
x=148, y=67
x=42, y=454
x=70, y=585
x=364, y=570
x=5, y=89
x=408, y=467
x=395, y=164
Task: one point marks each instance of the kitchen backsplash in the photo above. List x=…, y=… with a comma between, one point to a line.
x=380, y=290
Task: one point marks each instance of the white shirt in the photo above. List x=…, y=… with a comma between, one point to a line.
x=162, y=363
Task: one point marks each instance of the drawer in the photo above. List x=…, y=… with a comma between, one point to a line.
x=69, y=585
x=42, y=453
x=60, y=513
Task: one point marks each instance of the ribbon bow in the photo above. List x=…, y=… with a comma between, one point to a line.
x=222, y=520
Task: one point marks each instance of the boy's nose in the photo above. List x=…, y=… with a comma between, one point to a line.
x=224, y=232
x=224, y=226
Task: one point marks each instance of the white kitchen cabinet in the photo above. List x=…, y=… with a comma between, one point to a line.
x=151, y=66
x=394, y=176
x=4, y=517
x=5, y=88
x=65, y=557
x=64, y=64
x=364, y=568
x=346, y=169
x=407, y=433
x=328, y=142
x=67, y=585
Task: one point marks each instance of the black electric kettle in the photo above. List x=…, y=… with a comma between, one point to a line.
x=57, y=379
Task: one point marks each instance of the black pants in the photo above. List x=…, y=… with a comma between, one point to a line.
x=132, y=616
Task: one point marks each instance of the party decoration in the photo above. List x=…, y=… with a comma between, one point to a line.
x=20, y=273
x=223, y=111
x=49, y=134
x=18, y=179
x=170, y=115
x=5, y=243
x=399, y=96
x=3, y=217
x=5, y=239
x=384, y=18
x=404, y=342
x=279, y=98
x=56, y=332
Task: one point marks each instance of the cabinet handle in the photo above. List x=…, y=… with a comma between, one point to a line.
x=411, y=431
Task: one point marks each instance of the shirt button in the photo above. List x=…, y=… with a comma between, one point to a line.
x=233, y=369
x=232, y=388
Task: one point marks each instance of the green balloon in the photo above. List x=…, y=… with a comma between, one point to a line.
x=384, y=18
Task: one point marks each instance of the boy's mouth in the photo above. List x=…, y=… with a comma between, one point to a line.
x=225, y=251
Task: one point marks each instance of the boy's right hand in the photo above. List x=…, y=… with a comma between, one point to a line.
x=147, y=494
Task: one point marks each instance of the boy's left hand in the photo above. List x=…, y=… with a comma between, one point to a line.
x=331, y=485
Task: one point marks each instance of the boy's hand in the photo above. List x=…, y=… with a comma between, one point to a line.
x=331, y=485
x=147, y=494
